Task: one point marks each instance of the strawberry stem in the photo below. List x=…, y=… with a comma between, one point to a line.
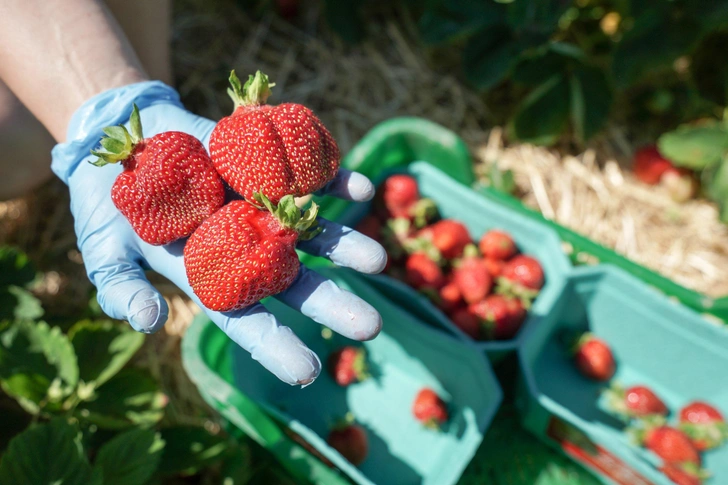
x=118, y=143
x=255, y=91
x=290, y=216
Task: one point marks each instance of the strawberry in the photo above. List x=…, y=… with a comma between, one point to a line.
x=370, y=227
x=704, y=424
x=635, y=402
x=429, y=408
x=594, y=358
x=672, y=445
x=423, y=272
x=351, y=441
x=500, y=316
x=684, y=474
x=448, y=236
x=242, y=254
x=396, y=196
x=348, y=365
x=524, y=271
x=649, y=165
x=495, y=266
x=168, y=186
x=449, y=297
x=471, y=276
x=275, y=150
x=497, y=245
x=467, y=322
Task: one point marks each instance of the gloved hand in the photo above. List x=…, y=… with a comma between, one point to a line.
x=116, y=258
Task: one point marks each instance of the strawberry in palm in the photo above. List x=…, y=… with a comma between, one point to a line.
x=275, y=150
x=168, y=186
x=242, y=254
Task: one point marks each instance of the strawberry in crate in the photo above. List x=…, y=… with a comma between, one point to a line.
x=484, y=286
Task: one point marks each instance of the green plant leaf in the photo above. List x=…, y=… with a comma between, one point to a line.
x=716, y=182
x=37, y=364
x=591, y=99
x=47, y=454
x=103, y=348
x=17, y=303
x=544, y=113
x=130, y=457
x=501, y=180
x=695, y=147
x=489, y=56
x=449, y=20
x=15, y=267
x=130, y=398
x=540, y=65
x=189, y=449
x=711, y=77
x=542, y=16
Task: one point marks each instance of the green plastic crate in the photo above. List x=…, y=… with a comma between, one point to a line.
x=406, y=356
x=656, y=342
x=479, y=215
x=400, y=141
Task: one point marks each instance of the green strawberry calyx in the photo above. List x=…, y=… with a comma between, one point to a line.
x=119, y=143
x=290, y=216
x=254, y=92
x=360, y=367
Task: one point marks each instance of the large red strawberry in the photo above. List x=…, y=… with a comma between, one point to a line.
x=524, y=271
x=448, y=236
x=449, y=297
x=471, y=275
x=684, y=474
x=594, y=358
x=501, y=317
x=274, y=150
x=351, y=441
x=672, y=445
x=704, y=424
x=497, y=245
x=495, y=266
x=423, y=272
x=168, y=186
x=469, y=323
x=242, y=254
x=635, y=401
x=429, y=408
x=348, y=365
x=396, y=196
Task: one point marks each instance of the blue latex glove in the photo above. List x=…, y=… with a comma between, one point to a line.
x=116, y=258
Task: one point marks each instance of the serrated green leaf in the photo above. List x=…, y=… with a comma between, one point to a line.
x=112, y=145
x=447, y=21
x=117, y=133
x=130, y=398
x=540, y=16
x=46, y=454
x=189, y=449
x=17, y=303
x=591, y=99
x=489, y=56
x=544, y=113
x=103, y=348
x=130, y=457
x=37, y=363
x=15, y=267
x=539, y=65
x=695, y=147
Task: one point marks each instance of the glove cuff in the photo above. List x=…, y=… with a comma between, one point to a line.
x=109, y=108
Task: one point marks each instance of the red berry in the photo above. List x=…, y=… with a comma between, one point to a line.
x=704, y=424
x=672, y=445
x=449, y=237
x=467, y=322
x=472, y=277
x=497, y=245
x=397, y=195
x=422, y=272
x=495, y=266
x=168, y=186
x=594, y=358
x=274, y=150
x=525, y=271
x=351, y=441
x=348, y=365
x=450, y=297
x=649, y=165
x=635, y=401
x=683, y=474
x=370, y=227
x=429, y=409
x=501, y=316
x=242, y=254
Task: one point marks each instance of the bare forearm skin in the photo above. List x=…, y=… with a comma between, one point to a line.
x=56, y=54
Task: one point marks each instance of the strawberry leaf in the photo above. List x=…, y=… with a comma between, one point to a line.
x=130, y=457
x=695, y=147
x=15, y=267
x=591, y=98
x=188, y=449
x=544, y=113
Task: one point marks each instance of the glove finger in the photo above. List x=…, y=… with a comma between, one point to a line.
x=349, y=185
x=346, y=247
x=125, y=294
x=273, y=345
x=324, y=302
